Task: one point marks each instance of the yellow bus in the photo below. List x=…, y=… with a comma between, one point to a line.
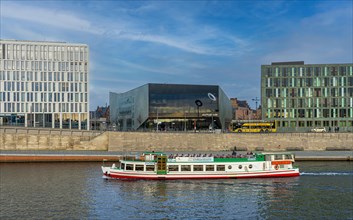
x=255, y=126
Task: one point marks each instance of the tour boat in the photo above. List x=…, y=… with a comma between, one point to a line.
x=160, y=166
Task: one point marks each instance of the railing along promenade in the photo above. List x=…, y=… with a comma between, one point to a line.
x=48, y=131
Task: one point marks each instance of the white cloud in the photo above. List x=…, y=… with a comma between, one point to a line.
x=54, y=18
x=185, y=43
x=325, y=37
x=127, y=29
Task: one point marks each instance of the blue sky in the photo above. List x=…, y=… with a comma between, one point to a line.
x=186, y=42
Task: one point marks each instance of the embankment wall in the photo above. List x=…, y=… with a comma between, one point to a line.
x=43, y=139
x=134, y=141
x=37, y=139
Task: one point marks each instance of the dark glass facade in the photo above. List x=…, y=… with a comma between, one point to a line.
x=173, y=107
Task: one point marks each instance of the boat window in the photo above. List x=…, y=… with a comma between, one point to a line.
x=278, y=157
x=268, y=157
x=209, y=167
x=173, y=168
x=198, y=167
x=240, y=167
x=288, y=156
x=185, y=167
x=122, y=166
x=139, y=167
x=221, y=167
x=229, y=167
x=129, y=167
x=250, y=166
x=149, y=167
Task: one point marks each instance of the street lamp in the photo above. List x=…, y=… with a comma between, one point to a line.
x=198, y=104
x=256, y=100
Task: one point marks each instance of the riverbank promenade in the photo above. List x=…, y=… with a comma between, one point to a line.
x=99, y=156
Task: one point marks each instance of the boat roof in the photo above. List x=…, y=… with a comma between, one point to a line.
x=271, y=153
x=154, y=153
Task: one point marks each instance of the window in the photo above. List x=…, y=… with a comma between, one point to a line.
x=173, y=168
x=278, y=157
x=209, y=167
x=198, y=167
x=221, y=168
x=139, y=167
x=185, y=167
x=288, y=157
x=149, y=167
x=129, y=167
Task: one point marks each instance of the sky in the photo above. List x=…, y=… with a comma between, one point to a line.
x=223, y=43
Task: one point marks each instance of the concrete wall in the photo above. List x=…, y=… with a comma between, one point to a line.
x=37, y=139
x=134, y=141
x=44, y=139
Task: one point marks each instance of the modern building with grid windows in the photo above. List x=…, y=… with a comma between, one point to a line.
x=304, y=96
x=44, y=84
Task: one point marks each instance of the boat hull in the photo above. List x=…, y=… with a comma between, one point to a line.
x=262, y=174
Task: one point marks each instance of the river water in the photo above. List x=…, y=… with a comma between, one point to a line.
x=78, y=191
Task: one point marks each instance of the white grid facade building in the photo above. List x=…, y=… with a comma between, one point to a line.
x=44, y=84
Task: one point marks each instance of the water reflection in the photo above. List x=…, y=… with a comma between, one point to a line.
x=41, y=190
x=200, y=198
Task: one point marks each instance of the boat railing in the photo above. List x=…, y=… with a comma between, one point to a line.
x=248, y=155
x=151, y=157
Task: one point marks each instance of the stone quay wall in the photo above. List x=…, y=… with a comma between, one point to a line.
x=43, y=139
x=139, y=141
x=51, y=139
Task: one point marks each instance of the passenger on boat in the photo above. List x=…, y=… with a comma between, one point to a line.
x=234, y=153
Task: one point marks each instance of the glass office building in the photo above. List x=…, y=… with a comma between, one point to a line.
x=171, y=107
x=44, y=84
x=303, y=96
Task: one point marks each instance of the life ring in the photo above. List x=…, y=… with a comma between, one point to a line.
x=276, y=167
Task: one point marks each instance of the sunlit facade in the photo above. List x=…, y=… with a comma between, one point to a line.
x=171, y=107
x=302, y=96
x=44, y=84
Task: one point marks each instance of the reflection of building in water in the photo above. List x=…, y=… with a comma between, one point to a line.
x=44, y=84
x=171, y=107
